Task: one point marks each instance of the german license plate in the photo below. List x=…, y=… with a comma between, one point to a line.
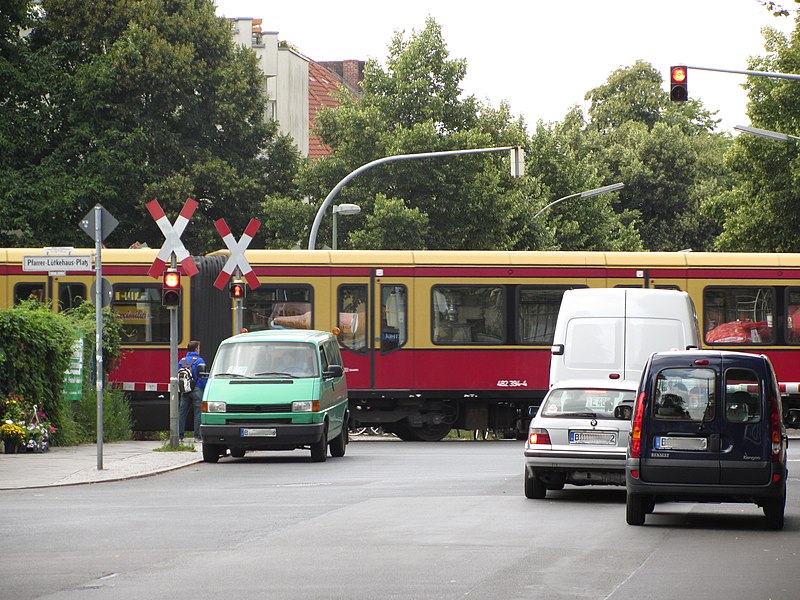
x=257, y=432
x=599, y=438
x=664, y=442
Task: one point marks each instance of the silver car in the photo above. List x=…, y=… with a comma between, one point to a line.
x=579, y=436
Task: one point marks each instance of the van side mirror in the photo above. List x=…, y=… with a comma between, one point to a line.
x=692, y=347
x=557, y=349
x=532, y=410
x=792, y=419
x=333, y=371
x=202, y=371
x=623, y=411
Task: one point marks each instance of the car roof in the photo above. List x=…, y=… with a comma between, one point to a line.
x=602, y=384
x=281, y=335
x=698, y=354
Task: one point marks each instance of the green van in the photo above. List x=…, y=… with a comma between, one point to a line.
x=276, y=390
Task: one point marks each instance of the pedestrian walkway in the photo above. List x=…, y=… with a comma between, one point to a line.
x=73, y=465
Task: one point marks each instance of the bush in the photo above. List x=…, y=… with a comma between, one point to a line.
x=35, y=351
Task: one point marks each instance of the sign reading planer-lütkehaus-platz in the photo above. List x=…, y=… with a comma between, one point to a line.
x=58, y=262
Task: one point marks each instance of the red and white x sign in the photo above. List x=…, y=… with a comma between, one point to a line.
x=237, y=259
x=172, y=234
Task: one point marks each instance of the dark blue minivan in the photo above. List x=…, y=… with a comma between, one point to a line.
x=707, y=426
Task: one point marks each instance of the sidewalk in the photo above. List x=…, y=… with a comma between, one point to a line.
x=78, y=464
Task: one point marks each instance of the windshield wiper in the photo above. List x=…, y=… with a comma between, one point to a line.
x=239, y=375
x=278, y=373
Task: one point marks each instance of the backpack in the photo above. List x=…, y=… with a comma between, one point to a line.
x=186, y=381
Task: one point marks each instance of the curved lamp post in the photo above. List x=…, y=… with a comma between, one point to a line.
x=587, y=194
x=342, y=209
x=771, y=135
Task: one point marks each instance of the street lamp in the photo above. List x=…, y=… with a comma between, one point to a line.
x=343, y=209
x=587, y=194
x=771, y=135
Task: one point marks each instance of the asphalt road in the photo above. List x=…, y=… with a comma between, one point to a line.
x=389, y=520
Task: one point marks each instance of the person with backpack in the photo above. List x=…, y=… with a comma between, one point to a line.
x=190, y=386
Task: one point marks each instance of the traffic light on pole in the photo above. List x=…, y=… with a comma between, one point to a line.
x=237, y=290
x=171, y=288
x=678, y=89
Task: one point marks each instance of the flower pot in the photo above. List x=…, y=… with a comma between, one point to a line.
x=11, y=448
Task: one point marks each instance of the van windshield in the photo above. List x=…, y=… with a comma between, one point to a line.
x=266, y=360
x=584, y=402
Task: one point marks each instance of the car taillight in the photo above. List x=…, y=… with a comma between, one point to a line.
x=776, y=434
x=636, y=427
x=537, y=437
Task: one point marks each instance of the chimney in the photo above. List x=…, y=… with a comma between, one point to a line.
x=350, y=73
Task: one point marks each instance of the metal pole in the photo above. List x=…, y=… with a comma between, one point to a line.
x=312, y=237
x=238, y=307
x=98, y=318
x=174, y=425
x=335, y=233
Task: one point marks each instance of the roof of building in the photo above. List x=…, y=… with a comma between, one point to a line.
x=323, y=84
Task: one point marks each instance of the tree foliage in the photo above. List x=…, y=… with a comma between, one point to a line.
x=121, y=102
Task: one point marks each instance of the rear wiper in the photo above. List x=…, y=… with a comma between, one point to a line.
x=579, y=414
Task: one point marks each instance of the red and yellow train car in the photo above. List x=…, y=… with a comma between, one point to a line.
x=431, y=340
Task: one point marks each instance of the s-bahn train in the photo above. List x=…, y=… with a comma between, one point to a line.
x=431, y=340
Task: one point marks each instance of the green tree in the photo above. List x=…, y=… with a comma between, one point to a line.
x=122, y=102
x=761, y=212
x=415, y=105
x=667, y=155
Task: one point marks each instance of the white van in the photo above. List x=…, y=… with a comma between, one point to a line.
x=610, y=333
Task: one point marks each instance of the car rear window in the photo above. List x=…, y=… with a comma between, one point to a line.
x=685, y=394
x=597, y=402
x=742, y=391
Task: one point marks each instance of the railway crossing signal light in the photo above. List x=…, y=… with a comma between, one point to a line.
x=171, y=288
x=237, y=290
x=678, y=89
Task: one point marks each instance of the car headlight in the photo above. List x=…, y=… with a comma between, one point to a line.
x=214, y=407
x=305, y=406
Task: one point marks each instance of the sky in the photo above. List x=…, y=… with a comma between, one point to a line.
x=542, y=56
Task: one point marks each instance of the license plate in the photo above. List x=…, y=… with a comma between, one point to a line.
x=681, y=443
x=257, y=432
x=599, y=438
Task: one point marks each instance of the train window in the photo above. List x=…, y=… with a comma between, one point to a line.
x=144, y=320
x=70, y=295
x=394, y=317
x=793, y=316
x=468, y=314
x=537, y=311
x=279, y=307
x=739, y=315
x=352, y=311
x=29, y=291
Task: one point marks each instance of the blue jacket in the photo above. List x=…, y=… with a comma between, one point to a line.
x=200, y=382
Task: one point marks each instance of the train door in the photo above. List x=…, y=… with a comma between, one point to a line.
x=372, y=317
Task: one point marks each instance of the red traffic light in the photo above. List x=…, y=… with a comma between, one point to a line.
x=171, y=288
x=678, y=90
x=678, y=74
x=236, y=290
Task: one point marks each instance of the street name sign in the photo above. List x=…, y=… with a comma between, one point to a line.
x=61, y=263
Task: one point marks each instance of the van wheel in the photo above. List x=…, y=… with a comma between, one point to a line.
x=237, y=452
x=339, y=443
x=319, y=449
x=635, y=509
x=650, y=505
x=535, y=489
x=211, y=453
x=773, y=510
